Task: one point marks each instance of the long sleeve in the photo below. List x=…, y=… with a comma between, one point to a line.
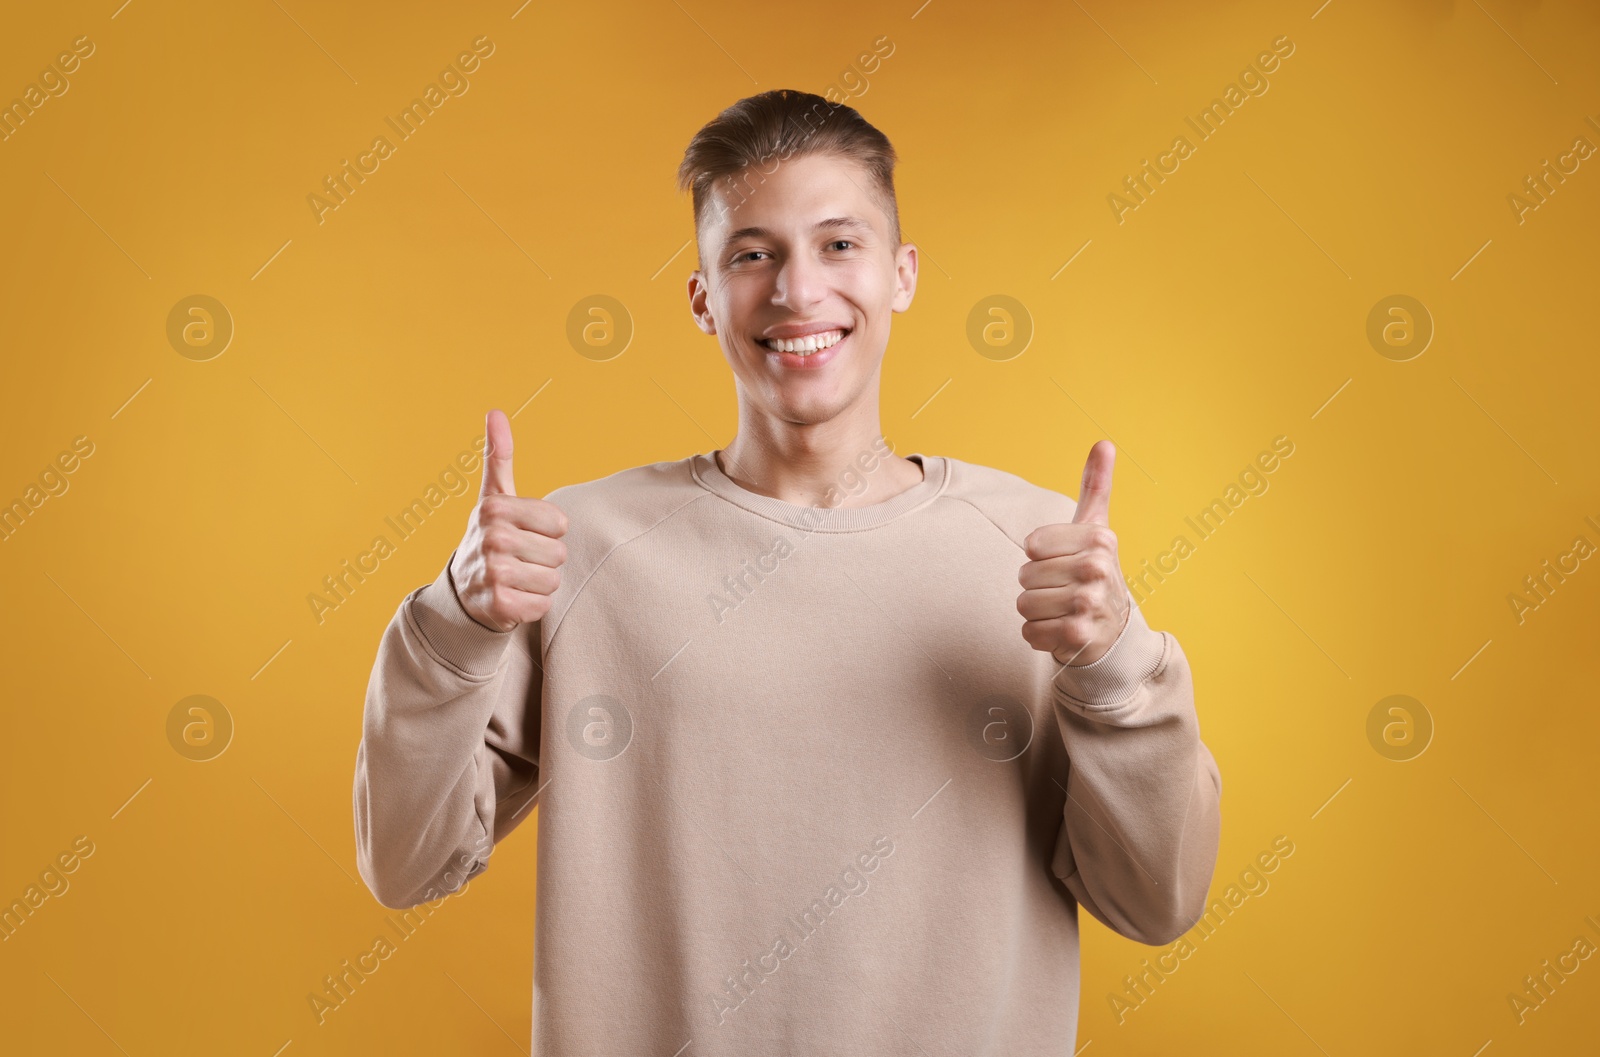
x=449, y=755
x=1142, y=821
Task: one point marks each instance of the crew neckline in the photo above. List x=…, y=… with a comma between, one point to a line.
x=935, y=476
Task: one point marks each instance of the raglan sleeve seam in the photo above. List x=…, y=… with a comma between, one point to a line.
x=1106, y=688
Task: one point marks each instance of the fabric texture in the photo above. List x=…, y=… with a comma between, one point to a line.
x=802, y=786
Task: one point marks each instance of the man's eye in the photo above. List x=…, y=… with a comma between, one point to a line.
x=842, y=242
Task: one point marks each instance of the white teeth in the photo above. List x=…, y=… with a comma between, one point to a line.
x=809, y=343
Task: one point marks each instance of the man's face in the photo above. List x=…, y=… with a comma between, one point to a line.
x=807, y=257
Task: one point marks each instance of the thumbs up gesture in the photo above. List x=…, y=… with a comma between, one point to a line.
x=1074, y=601
x=509, y=562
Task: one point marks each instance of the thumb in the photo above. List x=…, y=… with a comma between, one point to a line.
x=497, y=456
x=1094, y=496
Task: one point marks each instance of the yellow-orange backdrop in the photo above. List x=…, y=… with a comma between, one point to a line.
x=215, y=487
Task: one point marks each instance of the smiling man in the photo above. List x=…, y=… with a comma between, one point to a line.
x=813, y=776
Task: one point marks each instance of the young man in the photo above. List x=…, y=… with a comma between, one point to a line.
x=814, y=778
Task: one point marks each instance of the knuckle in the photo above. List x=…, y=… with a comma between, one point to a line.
x=495, y=574
x=495, y=508
x=490, y=575
x=1076, y=633
x=550, y=579
x=550, y=517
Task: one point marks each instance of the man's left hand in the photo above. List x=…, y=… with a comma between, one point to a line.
x=1074, y=602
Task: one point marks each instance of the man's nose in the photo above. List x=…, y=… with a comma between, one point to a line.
x=800, y=283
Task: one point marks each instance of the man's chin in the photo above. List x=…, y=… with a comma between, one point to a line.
x=807, y=408
x=802, y=398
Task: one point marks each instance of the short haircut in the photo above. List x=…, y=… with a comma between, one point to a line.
x=760, y=132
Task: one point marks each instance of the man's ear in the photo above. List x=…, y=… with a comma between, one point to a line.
x=697, y=303
x=905, y=276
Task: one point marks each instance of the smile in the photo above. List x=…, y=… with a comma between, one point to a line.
x=807, y=345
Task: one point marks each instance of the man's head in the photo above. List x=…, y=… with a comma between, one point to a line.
x=798, y=233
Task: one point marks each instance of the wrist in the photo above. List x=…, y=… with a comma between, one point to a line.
x=1076, y=659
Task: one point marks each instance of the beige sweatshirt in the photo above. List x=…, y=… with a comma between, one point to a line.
x=804, y=788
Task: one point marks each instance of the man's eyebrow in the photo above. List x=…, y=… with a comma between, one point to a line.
x=855, y=223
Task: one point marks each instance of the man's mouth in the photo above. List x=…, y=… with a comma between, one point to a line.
x=804, y=346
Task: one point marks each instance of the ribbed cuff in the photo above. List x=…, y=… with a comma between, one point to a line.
x=451, y=631
x=1135, y=656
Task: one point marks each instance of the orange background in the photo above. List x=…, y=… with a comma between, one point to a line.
x=1229, y=308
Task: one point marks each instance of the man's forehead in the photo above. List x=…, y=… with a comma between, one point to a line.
x=822, y=185
x=843, y=221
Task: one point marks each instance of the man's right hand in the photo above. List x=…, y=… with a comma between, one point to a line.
x=509, y=562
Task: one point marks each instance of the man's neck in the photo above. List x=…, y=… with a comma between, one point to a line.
x=818, y=466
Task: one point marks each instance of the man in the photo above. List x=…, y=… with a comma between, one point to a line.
x=807, y=783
